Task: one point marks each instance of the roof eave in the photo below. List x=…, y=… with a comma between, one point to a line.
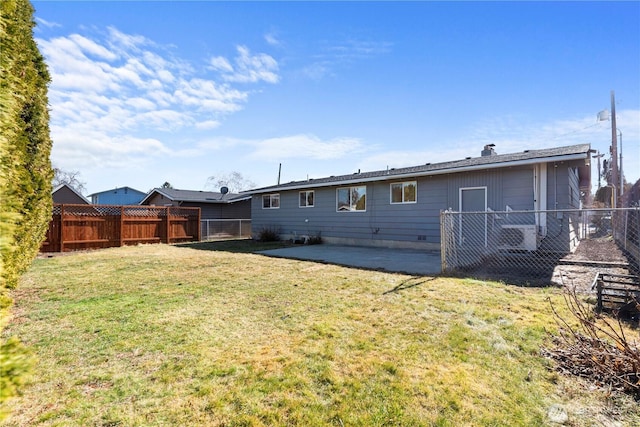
x=155, y=190
x=308, y=184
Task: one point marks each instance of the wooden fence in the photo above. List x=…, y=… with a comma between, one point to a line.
x=78, y=227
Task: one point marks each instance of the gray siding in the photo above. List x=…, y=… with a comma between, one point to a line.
x=236, y=210
x=160, y=200
x=563, y=190
x=411, y=224
x=66, y=195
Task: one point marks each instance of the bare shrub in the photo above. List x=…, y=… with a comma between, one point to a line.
x=597, y=349
x=269, y=234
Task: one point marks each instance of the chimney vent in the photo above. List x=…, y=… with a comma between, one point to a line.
x=488, y=150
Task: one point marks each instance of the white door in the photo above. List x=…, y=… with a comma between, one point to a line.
x=473, y=227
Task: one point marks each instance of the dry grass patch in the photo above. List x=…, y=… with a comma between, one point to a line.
x=166, y=335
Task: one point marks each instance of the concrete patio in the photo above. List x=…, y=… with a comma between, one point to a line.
x=410, y=261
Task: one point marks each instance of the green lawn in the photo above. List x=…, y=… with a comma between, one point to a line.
x=175, y=336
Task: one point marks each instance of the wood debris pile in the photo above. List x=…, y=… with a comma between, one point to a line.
x=597, y=349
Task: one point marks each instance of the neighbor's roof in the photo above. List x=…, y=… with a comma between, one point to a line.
x=196, y=196
x=571, y=152
x=61, y=186
x=116, y=189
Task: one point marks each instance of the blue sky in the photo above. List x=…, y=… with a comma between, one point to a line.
x=148, y=92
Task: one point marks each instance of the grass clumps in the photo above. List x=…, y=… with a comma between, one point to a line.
x=170, y=335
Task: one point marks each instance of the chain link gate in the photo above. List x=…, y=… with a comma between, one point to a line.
x=526, y=246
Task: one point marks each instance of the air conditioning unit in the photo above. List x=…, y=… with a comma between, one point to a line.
x=518, y=237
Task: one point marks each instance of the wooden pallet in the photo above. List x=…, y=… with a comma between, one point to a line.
x=618, y=293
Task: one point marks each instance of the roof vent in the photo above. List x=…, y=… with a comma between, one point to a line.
x=488, y=150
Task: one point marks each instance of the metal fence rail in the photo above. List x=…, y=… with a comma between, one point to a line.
x=215, y=229
x=529, y=244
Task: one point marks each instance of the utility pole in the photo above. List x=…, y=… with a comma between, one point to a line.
x=620, y=165
x=599, y=156
x=614, y=149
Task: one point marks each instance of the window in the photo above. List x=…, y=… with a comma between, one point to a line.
x=404, y=192
x=306, y=199
x=350, y=199
x=270, y=201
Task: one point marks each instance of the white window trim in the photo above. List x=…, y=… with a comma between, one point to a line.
x=461, y=189
x=306, y=193
x=403, y=183
x=271, y=201
x=350, y=187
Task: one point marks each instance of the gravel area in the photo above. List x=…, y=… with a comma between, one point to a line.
x=575, y=270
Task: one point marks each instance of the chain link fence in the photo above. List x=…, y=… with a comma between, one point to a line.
x=534, y=247
x=219, y=229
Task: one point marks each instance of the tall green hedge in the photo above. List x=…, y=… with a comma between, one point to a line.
x=25, y=168
x=25, y=144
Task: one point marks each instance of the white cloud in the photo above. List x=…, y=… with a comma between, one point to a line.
x=306, y=146
x=334, y=54
x=357, y=49
x=271, y=39
x=141, y=103
x=220, y=63
x=253, y=68
x=317, y=71
x=114, y=94
x=89, y=46
x=207, y=124
x=126, y=42
x=47, y=24
x=511, y=135
x=248, y=68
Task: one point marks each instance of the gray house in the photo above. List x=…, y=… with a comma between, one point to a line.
x=401, y=207
x=64, y=193
x=212, y=205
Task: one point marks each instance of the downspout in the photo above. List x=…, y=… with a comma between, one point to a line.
x=542, y=194
x=540, y=197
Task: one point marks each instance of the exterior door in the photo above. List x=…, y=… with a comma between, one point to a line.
x=473, y=227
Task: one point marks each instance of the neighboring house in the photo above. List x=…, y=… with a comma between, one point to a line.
x=118, y=196
x=401, y=207
x=66, y=194
x=212, y=205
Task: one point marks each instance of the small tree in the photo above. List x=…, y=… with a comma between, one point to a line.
x=234, y=181
x=71, y=178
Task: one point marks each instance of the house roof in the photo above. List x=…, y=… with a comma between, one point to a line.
x=571, y=152
x=196, y=196
x=61, y=186
x=118, y=188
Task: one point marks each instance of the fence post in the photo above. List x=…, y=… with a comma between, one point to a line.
x=199, y=235
x=61, y=228
x=121, y=228
x=167, y=225
x=626, y=229
x=443, y=244
x=599, y=306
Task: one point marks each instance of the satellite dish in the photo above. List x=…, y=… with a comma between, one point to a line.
x=224, y=190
